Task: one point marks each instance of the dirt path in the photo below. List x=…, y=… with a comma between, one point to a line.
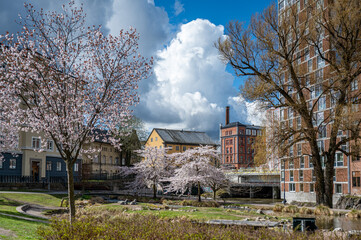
x=7, y=233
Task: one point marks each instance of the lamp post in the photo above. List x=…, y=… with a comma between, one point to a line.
x=284, y=182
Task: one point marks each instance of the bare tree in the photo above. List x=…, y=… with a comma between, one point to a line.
x=65, y=81
x=275, y=52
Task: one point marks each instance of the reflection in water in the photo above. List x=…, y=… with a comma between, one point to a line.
x=344, y=223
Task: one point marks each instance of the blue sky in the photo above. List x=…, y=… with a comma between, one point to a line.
x=190, y=85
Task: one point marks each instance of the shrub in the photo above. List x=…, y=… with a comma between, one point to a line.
x=323, y=210
x=354, y=214
x=194, y=203
x=305, y=210
x=290, y=209
x=104, y=224
x=278, y=208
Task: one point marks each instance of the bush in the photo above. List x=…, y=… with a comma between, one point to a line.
x=304, y=210
x=291, y=209
x=354, y=214
x=278, y=208
x=323, y=210
x=194, y=203
x=113, y=224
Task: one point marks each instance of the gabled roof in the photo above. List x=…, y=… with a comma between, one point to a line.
x=184, y=137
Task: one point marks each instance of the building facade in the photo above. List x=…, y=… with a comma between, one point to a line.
x=31, y=160
x=297, y=175
x=177, y=140
x=237, y=141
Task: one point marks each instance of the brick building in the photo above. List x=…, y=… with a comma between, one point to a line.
x=237, y=143
x=297, y=176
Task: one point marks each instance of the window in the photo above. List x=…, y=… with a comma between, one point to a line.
x=156, y=138
x=48, y=166
x=104, y=159
x=310, y=164
x=338, y=188
x=320, y=62
x=12, y=164
x=291, y=176
x=292, y=187
x=110, y=149
x=301, y=175
x=290, y=113
x=355, y=179
x=322, y=133
x=184, y=148
x=299, y=149
x=354, y=85
x=339, y=159
x=177, y=148
x=117, y=161
x=322, y=103
x=282, y=176
x=307, y=54
x=36, y=143
x=309, y=65
x=302, y=162
x=298, y=122
x=230, y=150
x=312, y=187
x=319, y=76
x=58, y=166
x=248, y=131
x=96, y=159
x=254, y=132
x=301, y=187
x=321, y=146
x=291, y=151
x=76, y=167
x=50, y=145
x=110, y=160
x=151, y=139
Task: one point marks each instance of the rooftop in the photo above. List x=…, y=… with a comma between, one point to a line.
x=184, y=137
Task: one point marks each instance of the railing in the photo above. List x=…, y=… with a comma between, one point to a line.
x=31, y=179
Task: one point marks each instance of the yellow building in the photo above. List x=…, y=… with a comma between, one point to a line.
x=177, y=140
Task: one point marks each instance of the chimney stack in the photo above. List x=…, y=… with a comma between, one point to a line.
x=227, y=115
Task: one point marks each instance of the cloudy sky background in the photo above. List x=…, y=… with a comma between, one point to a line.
x=190, y=85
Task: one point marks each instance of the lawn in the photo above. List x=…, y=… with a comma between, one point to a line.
x=21, y=228
x=33, y=198
x=194, y=213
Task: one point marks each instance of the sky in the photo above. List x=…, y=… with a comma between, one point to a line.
x=190, y=86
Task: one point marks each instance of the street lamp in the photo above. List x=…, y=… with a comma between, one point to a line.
x=284, y=182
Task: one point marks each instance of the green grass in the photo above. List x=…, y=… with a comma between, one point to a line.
x=201, y=213
x=22, y=228
x=33, y=198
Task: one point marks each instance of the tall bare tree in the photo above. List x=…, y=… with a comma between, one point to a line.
x=321, y=94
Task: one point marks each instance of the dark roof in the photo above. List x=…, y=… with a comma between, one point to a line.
x=184, y=137
x=235, y=124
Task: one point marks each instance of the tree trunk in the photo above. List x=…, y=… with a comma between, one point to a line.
x=199, y=192
x=214, y=195
x=154, y=191
x=69, y=170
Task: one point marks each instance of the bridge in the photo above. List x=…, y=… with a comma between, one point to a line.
x=254, y=180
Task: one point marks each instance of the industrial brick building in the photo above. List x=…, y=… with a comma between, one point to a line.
x=237, y=143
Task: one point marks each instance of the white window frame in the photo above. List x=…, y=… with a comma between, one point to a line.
x=12, y=163
x=58, y=166
x=76, y=167
x=33, y=143
x=293, y=188
x=50, y=145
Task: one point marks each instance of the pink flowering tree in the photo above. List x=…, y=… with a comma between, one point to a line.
x=64, y=80
x=197, y=168
x=151, y=170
